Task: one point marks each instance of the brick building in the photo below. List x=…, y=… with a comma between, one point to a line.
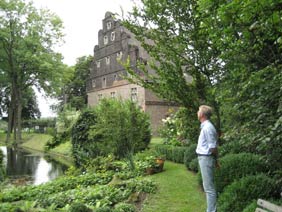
x=115, y=44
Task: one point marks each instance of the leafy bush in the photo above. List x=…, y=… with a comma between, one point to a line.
x=116, y=127
x=124, y=207
x=2, y=171
x=79, y=207
x=194, y=165
x=251, y=207
x=190, y=154
x=178, y=128
x=240, y=193
x=236, y=166
x=83, y=146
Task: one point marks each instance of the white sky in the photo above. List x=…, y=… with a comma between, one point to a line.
x=82, y=21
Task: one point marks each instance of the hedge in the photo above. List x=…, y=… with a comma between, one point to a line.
x=172, y=153
x=236, y=166
x=241, y=193
x=190, y=154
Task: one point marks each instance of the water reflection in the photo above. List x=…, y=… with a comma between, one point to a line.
x=19, y=163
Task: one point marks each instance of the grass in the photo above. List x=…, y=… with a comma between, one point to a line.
x=178, y=191
x=35, y=141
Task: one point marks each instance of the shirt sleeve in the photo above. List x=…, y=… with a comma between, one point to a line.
x=211, y=137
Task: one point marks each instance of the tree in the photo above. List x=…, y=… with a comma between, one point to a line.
x=248, y=35
x=27, y=37
x=173, y=34
x=74, y=92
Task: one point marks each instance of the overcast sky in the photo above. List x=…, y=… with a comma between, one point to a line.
x=82, y=21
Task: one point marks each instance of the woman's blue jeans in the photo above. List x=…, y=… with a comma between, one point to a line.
x=207, y=166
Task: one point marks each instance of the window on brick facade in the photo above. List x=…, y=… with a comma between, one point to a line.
x=113, y=94
x=108, y=60
x=109, y=25
x=134, y=94
x=93, y=83
x=98, y=63
x=105, y=39
x=113, y=36
x=115, y=77
x=119, y=55
x=104, y=82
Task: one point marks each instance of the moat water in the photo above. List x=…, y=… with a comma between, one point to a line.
x=36, y=168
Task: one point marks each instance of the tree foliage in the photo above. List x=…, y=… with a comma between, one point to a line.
x=27, y=38
x=74, y=92
x=186, y=65
x=232, y=51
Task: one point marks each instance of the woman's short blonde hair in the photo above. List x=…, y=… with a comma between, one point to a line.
x=206, y=111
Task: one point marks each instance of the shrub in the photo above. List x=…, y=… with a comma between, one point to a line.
x=240, y=193
x=82, y=145
x=190, y=154
x=194, y=165
x=236, y=166
x=79, y=207
x=113, y=127
x=124, y=207
x=179, y=128
x=103, y=209
x=2, y=171
x=251, y=207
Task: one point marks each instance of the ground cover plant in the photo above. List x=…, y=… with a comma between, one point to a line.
x=106, y=183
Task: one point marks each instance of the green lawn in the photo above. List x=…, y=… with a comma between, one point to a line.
x=36, y=141
x=178, y=189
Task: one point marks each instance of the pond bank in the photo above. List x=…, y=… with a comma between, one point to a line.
x=35, y=142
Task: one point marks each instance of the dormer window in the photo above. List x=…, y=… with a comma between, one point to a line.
x=108, y=60
x=119, y=55
x=106, y=40
x=109, y=25
x=98, y=63
x=113, y=36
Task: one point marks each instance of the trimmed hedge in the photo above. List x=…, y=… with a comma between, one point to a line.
x=175, y=154
x=251, y=207
x=190, y=154
x=236, y=166
x=241, y=193
x=194, y=165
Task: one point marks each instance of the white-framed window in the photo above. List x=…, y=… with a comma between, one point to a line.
x=119, y=55
x=115, y=77
x=109, y=25
x=113, y=36
x=93, y=83
x=100, y=96
x=113, y=94
x=108, y=60
x=104, y=82
x=106, y=40
x=134, y=94
x=98, y=63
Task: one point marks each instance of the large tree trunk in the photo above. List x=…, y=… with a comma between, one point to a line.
x=11, y=115
x=19, y=117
